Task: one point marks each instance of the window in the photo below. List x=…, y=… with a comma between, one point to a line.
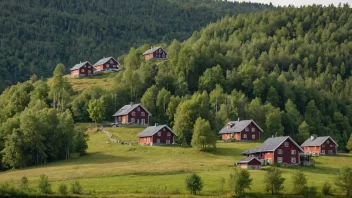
x=323, y=151
x=82, y=70
x=253, y=129
x=132, y=120
x=253, y=136
x=142, y=114
x=323, y=145
x=137, y=121
x=133, y=113
x=167, y=141
x=158, y=141
x=142, y=121
x=111, y=61
x=159, y=133
x=279, y=151
x=244, y=135
x=286, y=144
x=279, y=159
x=160, y=51
x=138, y=108
x=119, y=118
x=114, y=66
x=328, y=142
x=247, y=129
x=293, y=152
x=293, y=160
x=168, y=134
x=164, y=129
x=330, y=152
x=228, y=126
x=331, y=145
x=107, y=65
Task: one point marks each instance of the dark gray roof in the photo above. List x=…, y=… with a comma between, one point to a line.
x=127, y=108
x=78, y=66
x=152, y=50
x=271, y=144
x=104, y=60
x=238, y=126
x=318, y=141
x=247, y=160
x=151, y=130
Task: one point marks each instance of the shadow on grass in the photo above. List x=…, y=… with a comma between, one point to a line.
x=100, y=158
x=228, y=152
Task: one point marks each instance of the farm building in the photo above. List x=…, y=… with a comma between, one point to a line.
x=155, y=53
x=241, y=130
x=320, y=146
x=132, y=114
x=277, y=150
x=82, y=70
x=156, y=135
x=251, y=163
x=108, y=63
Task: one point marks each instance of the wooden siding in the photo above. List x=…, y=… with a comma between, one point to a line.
x=159, y=138
x=327, y=148
x=244, y=135
x=135, y=118
x=85, y=70
x=286, y=154
x=158, y=54
x=110, y=64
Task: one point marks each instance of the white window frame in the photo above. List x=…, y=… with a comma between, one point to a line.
x=293, y=152
x=168, y=133
x=293, y=160
x=159, y=133
x=279, y=159
x=142, y=121
x=167, y=141
x=323, y=145
x=279, y=151
x=133, y=113
x=158, y=141
x=132, y=120
x=111, y=61
x=138, y=109
x=253, y=129
x=330, y=152
x=328, y=142
x=323, y=151
x=253, y=136
x=246, y=129
x=142, y=114
x=245, y=136
x=331, y=145
x=286, y=144
x=82, y=70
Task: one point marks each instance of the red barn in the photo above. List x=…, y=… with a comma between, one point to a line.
x=155, y=53
x=320, y=146
x=82, y=70
x=251, y=163
x=132, y=114
x=244, y=130
x=108, y=63
x=277, y=150
x=157, y=135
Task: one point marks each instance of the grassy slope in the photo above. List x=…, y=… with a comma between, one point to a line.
x=121, y=170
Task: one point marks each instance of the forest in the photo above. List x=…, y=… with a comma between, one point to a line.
x=288, y=69
x=36, y=35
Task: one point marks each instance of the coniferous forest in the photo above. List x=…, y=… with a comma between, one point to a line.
x=36, y=34
x=288, y=69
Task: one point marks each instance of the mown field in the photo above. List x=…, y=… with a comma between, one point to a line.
x=116, y=170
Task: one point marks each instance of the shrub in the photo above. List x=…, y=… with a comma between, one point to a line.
x=310, y=192
x=299, y=182
x=240, y=181
x=194, y=183
x=326, y=190
x=274, y=181
x=44, y=185
x=76, y=188
x=24, y=183
x=63, y=189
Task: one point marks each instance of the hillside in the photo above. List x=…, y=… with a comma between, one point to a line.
x=124, y=170
x=37, y=35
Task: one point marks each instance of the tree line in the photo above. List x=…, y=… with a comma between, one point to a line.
x=36, y=35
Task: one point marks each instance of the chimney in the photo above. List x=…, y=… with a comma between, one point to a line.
x=156, y=124
x=131, y=103
x=238, y=119
x=312, y=137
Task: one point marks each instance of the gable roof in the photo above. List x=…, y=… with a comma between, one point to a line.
x=151, y=130
x=128, y=108
x=271, y=144
x=79, y=65
x=318, y=141
x=152, y=50
x=238, y=126
x=247, y=160
x=104, y=60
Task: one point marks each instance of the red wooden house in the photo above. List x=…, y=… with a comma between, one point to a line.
x=108, y=63
x=320, y=146
x=132, y=114
x=277, y=150
x=82, y=70
x=157, y=135
x=251, y=163
x=241, y=130
x=155, y=53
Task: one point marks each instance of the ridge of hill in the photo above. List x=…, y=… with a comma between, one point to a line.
x=37, y=35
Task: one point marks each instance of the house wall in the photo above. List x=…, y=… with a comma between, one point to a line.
x=311, y=149
x=254, y=162
x=163, y=136
x=286, y=153
x=86, y=70
x=148, y=56
x=110, y=64
x=328, y=147
x=137, y=118
x=145, y=140
x=160, y=54
x=226, y=136
x=248, y=135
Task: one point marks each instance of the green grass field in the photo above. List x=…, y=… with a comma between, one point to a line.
x=117, y=170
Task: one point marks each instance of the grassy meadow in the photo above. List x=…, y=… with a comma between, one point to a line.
x=116, y=170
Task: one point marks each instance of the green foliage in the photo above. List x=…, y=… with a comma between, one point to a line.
x=96, y=110
x=310, y=192
x=8, y=190
x=273, y=123
x=299, y=181
x=80, y=142
x=274, y=181
x=63, y=189
x=203, y=137
x=344, y=180
x=24, y=183
x=326, y=189
x=240, y=181
x=76, y=188
x=303, y=132
x=194, y=183
x=349, y=144
x=44, y=185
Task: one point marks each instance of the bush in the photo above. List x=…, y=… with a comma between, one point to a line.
x=76, y=188
x=240, y=181
x=7, y=190
x=299, y=182
x=63, y=189
x=194, y=183
x=310, y=192
x=44, y=185
x=24, y=183
x=326, y=189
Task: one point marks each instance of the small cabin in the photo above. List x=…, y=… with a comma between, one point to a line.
x=84, y=69
x=157, y=135
x=251, y=163
x=241, y=130
x=320, y=145
x=134, y=114
x=157, y=53
x=107, y=64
